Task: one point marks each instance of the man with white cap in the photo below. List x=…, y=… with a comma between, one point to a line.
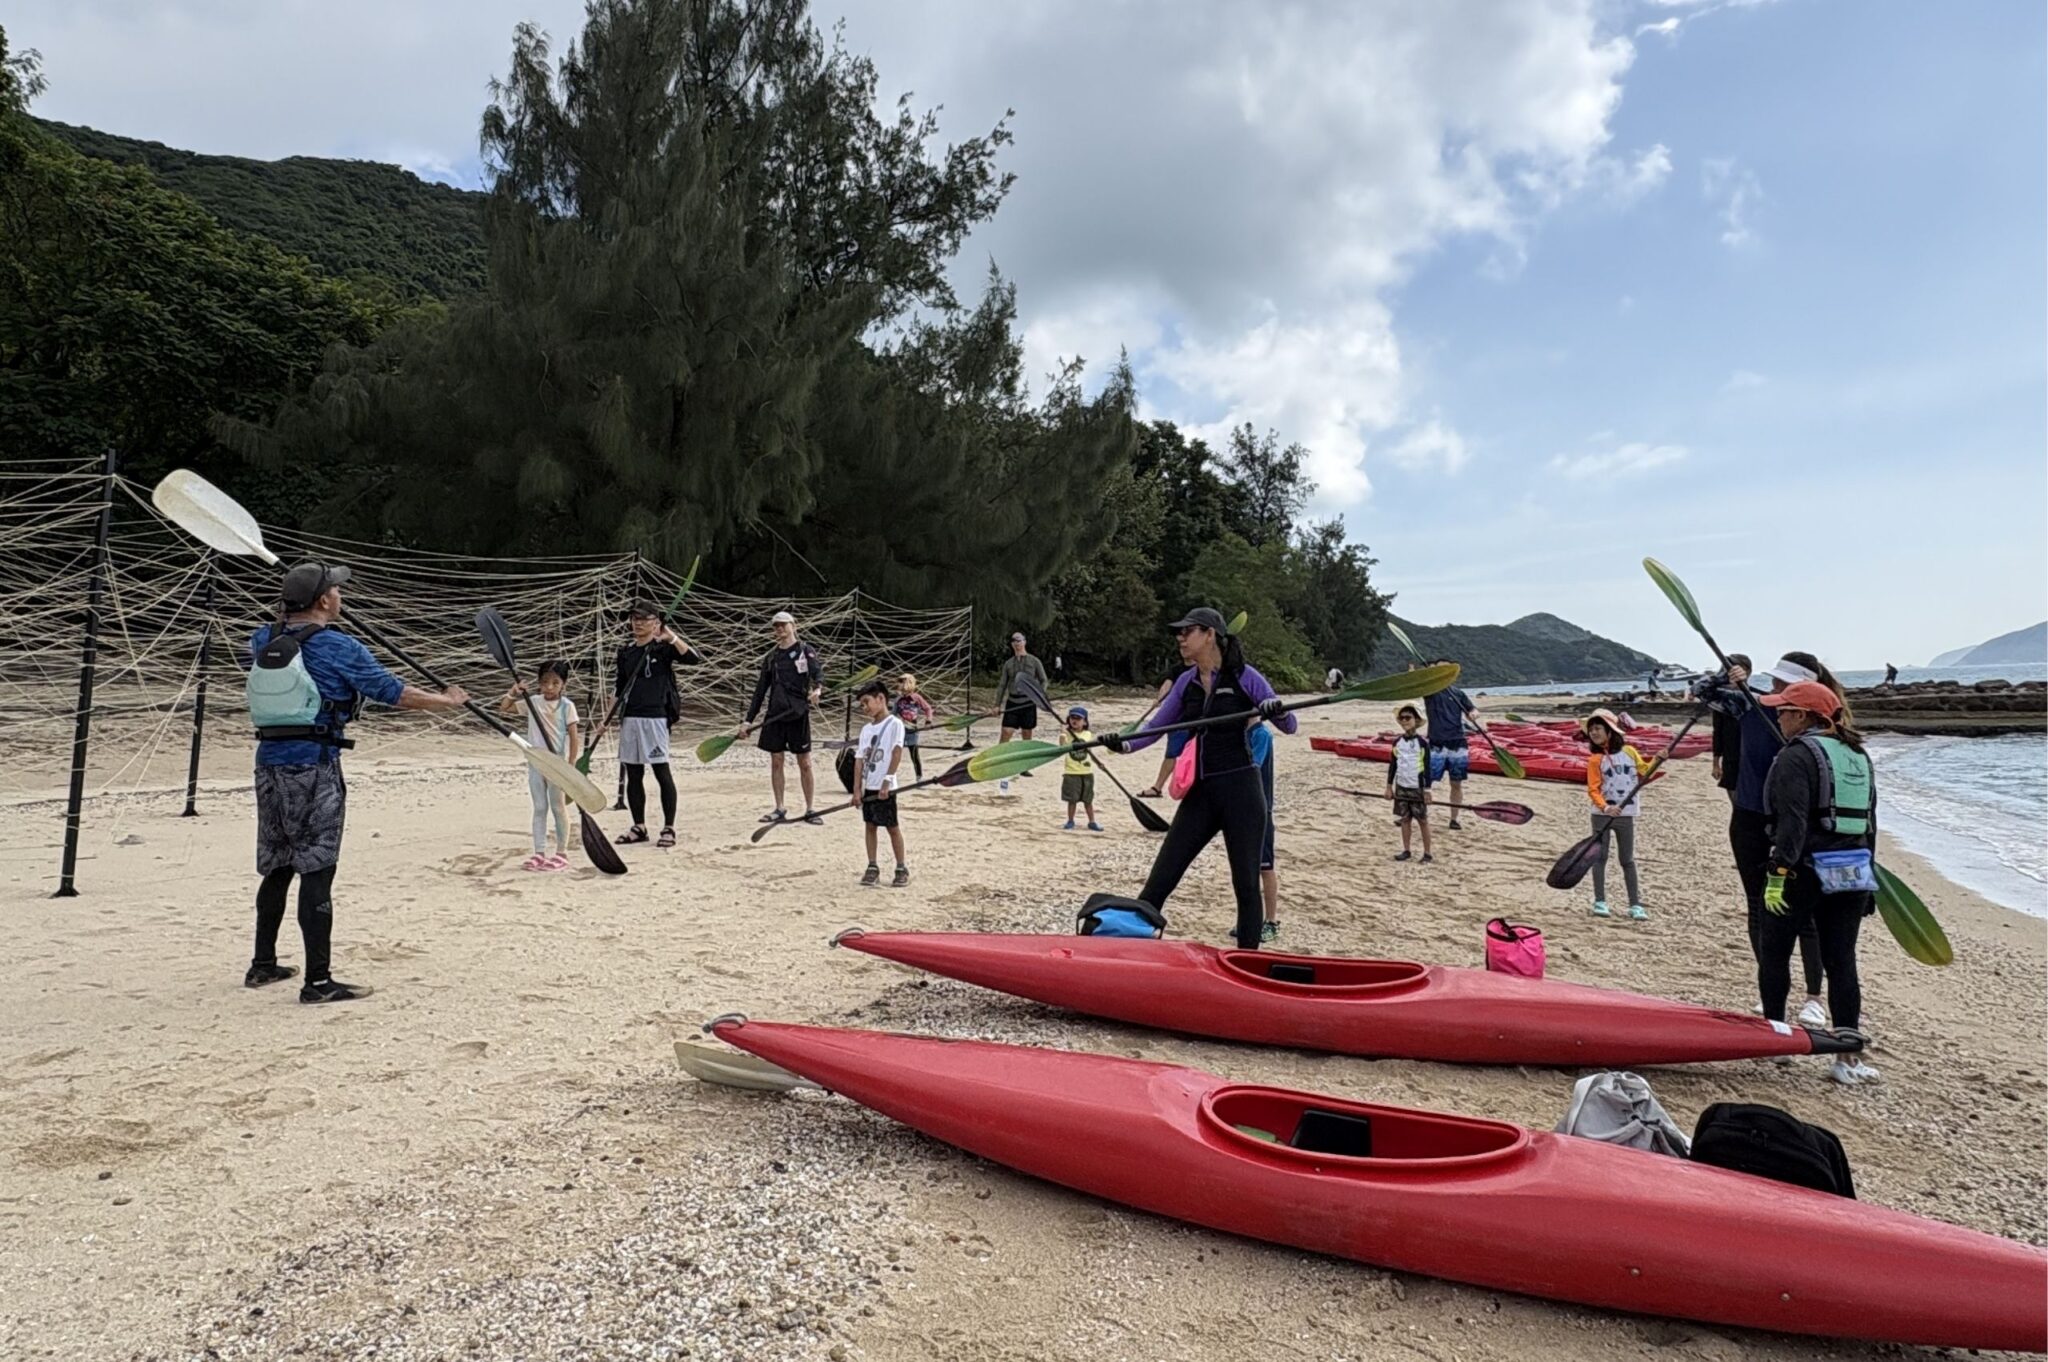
x=1020, y=711
x=791, y=679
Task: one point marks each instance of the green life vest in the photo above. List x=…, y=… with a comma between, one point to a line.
x=283, y=700
x=1845, y=785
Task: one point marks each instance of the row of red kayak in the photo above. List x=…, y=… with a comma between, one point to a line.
x=1478, y=1201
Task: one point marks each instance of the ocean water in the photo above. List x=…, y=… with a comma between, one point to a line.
x=1976, y=808
x=2028, y=671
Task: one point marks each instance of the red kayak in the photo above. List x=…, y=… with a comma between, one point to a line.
x=1394, y=1009
x=1483, y=1202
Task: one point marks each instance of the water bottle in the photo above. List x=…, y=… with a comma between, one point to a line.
x=1002, y=787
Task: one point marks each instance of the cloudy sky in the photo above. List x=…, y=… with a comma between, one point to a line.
x=1545, y=285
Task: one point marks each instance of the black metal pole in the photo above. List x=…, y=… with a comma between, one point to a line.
x=81, y=732
x=967, y=704
x=639, y=590
x=199, y=701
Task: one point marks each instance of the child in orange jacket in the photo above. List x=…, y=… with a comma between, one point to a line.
x=1614, y=776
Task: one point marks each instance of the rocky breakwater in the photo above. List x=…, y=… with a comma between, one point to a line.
x=1947, y=708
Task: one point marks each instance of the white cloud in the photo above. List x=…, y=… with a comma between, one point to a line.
x=1743, y=379
x=1621, y=462
x=1663, y=27
x=1431, y=443
x=1737, y=191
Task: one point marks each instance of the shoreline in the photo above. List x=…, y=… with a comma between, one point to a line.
x=496, y=1156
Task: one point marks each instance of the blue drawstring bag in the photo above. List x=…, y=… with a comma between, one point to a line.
x=1109, y=915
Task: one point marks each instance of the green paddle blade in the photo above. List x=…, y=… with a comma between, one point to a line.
x=860, y=678
x=1513, y=718
x=1011, y=759
x=1409, y=685
x=583, y=763
x=960, y=721
x=1401, y=637
x=1912, y=926
x=713, y=747
x=1237, y=623
x=689, y=580
x=1675, y=592
x=1509, y=766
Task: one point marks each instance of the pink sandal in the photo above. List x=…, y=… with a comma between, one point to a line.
x=537, y=861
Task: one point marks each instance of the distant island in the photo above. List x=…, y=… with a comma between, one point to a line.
x=2021, y=645
x=1532, y=650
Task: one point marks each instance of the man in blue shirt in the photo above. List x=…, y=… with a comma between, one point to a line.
x=1448, y=758
x=301, y=798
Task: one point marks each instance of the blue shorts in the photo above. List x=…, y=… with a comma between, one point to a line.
x=1456, y=762
x=1176, y=741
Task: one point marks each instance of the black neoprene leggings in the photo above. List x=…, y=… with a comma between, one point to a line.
x=636, y=792
x=916, y=762
x=1749, y=837
x=1837, y=918
x=316, y=918
x=1234, y=805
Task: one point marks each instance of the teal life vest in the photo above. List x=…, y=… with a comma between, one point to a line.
x=283, y=700
x=1846, y=793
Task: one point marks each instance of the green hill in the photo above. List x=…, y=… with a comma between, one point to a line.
x=351, y=218
x=1532, y=650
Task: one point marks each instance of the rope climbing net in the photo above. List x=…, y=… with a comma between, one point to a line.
x=174, y=617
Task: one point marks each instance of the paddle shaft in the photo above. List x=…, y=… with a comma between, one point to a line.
x=957, y=768
x=382, y=640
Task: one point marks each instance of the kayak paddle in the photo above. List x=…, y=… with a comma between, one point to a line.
x=1498, y=810
x=498, y=643
x=218, y=521
x=1509, y=766
x=1582, y=855
x=1237, y=623
x=715, y=746
x=1148, y=818
x=1908, y=919
x=954, y=775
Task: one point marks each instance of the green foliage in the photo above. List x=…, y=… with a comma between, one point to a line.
x=1507, y=655
x=362, y=221
x=128, y=316
x=1257, y=579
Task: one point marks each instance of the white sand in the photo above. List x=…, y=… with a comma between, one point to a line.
x=497, y=1157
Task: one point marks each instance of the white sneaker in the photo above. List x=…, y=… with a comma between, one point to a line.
x=1757, y=1008
x=1812, y=1015
x=1850, y=1071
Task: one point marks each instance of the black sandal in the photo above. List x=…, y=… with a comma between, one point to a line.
x=777, y=816
x=814, y=818
x=667, y=838
x=636, y=833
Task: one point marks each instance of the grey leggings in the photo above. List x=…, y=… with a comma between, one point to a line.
x=1624, y=830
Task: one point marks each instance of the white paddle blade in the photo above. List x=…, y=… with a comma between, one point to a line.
x=209, y=515
x=736, y=1069
x=561, y=774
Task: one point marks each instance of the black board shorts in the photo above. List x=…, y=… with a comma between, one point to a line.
x=878, y=813
x=300, y=811
x=1023, y=716
x=787, y=735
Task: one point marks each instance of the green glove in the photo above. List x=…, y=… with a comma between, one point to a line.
x=1774, y=892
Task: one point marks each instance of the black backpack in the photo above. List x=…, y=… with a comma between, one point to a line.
x=1770, y=1143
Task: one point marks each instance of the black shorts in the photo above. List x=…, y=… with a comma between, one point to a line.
x=300, y=812
x=1023, y=716
x=1410, y=804
x=878, y=813
x=786, y=735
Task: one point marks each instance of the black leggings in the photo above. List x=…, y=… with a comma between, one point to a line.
x=316, y=918
x=636, y=793
x=916, y=762
x=1235, y=805
x=1836, y=918
x=1749, y=836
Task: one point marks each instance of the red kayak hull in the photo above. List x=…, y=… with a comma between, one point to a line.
x=1395, y=1009
x=1482, y=1202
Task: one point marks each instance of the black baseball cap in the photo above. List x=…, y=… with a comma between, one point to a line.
x=1202, y=617
x=644, y=609
x=308, y=582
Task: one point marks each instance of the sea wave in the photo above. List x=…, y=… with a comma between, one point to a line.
x=1975, y=808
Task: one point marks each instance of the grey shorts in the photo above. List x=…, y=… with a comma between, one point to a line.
x=299, y=816
x=643, y=742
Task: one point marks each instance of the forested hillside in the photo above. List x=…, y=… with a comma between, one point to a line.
x=356, y=219
x=1514, y=655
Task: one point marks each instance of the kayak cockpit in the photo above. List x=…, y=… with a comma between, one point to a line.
x=1328, y=1131
x=1322, y=974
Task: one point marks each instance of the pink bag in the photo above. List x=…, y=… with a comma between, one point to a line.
x=1183, y=778
x=1512, y=948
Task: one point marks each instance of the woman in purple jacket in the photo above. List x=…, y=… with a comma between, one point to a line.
x=1227, y=795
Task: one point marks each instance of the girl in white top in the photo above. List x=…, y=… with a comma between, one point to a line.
x=1614, y=776
x=564, y=733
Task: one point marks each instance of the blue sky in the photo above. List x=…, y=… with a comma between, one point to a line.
x=1753, y=286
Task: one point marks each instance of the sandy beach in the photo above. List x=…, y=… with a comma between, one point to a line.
x=497, y=1157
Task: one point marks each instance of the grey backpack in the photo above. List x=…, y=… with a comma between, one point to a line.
x=1619, y=1108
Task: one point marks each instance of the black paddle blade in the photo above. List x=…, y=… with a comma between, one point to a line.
x=955, y=775
x=497, y=638
x=1577, y=861
x=599, y=849
x=1147, y=816
x=1501, y=811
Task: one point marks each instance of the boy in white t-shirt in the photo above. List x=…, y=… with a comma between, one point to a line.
x=1408, y=780
x=878, y=754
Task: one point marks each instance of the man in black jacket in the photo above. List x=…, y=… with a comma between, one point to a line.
x=644, y=696
x=792, y=678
